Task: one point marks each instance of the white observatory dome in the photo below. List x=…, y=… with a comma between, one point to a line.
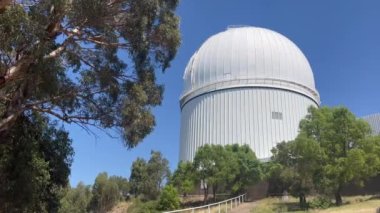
x=249, y=56
x=246, y=85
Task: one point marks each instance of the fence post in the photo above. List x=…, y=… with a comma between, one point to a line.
x=209, y=210
x=226, y=206
x=219, y=208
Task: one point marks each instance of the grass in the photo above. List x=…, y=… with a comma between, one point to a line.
x=121, y=207
x=354, y=204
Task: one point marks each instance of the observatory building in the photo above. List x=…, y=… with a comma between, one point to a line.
x=246, y=85
x=374, y=121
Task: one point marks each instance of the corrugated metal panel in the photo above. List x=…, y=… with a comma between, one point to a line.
x=374, y=122
x=239, y=85
x=244, y=116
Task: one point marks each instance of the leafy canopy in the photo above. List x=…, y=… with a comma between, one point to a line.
x=334, y=148
x=35, y=160
x=169, y=199
x=230, y=167
x=147, y=178
x=89, y=62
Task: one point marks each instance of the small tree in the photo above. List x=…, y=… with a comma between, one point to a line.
x=334, y=148
x=246, y=168
x=105, y=194
x=139, y=175
x=204, y=164
x=76, y=200
x=231, y=167
x=301, y=160
x=183, y=178
x=147, y=177
x=351, y=153
x=169, y=199
x=158, y=170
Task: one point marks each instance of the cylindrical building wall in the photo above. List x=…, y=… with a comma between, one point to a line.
x=259, y=117
x=246, y=85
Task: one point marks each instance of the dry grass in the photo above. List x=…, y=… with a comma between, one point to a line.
x=354, y=204
x=120, y=207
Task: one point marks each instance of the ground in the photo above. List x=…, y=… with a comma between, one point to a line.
x=120, y=207
x=356, y=204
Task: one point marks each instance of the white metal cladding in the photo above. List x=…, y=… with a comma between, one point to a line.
x=243, y=116
x=374, y=122
x=256, y=56
x=245, y=85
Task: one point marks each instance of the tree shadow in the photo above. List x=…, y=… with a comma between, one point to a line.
x=287, y=207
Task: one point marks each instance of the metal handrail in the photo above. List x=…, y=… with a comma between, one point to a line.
x=238, y=200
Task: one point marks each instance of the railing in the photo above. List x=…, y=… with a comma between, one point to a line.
x=224, y=206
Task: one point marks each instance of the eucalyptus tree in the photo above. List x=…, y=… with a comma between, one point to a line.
x=333, y=149
x=183, y=178
x=89, y=62
x=300, y=162
x=352, y=154
x=230, y=167
x=147, y=177
x=35, y=160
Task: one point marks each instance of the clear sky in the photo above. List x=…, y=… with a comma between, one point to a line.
x=340, y=38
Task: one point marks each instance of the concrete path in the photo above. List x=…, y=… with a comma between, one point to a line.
x=244, y=208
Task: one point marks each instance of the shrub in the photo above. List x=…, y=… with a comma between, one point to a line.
x=143, y=207
x=169, y=199
x=320, y=203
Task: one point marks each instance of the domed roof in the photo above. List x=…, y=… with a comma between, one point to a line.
x=248, y=57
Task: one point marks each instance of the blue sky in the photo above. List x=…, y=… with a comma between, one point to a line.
x=340, y=38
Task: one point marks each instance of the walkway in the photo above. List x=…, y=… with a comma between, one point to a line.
x=244, y=208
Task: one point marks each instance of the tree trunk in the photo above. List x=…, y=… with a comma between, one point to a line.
x=338, y=198
x=205, y=190
x=214, y=188
x=303, y=203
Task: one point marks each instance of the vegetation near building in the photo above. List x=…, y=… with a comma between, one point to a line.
x=220, y=168
x=147, y=178
x=333, y=149
x=169, y=199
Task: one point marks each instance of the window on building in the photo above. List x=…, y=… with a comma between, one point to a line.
x=277, y=115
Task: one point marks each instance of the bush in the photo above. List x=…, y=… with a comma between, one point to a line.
x=143, y=207
x=320, y=203
x=169, y=199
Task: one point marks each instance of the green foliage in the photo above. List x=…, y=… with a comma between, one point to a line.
x=76, y=200
x=101, y=197
x=105, y=193
x=143, y=207
x=35, y=160
x=169, y=199
x=321, y=202
x=300, y=161
x=183, y=178
x=122, y=185
x=248, y=168
x=231, y=167
x=334, y=148
x=139, y=176
x=147, y=178
x=90, y=62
